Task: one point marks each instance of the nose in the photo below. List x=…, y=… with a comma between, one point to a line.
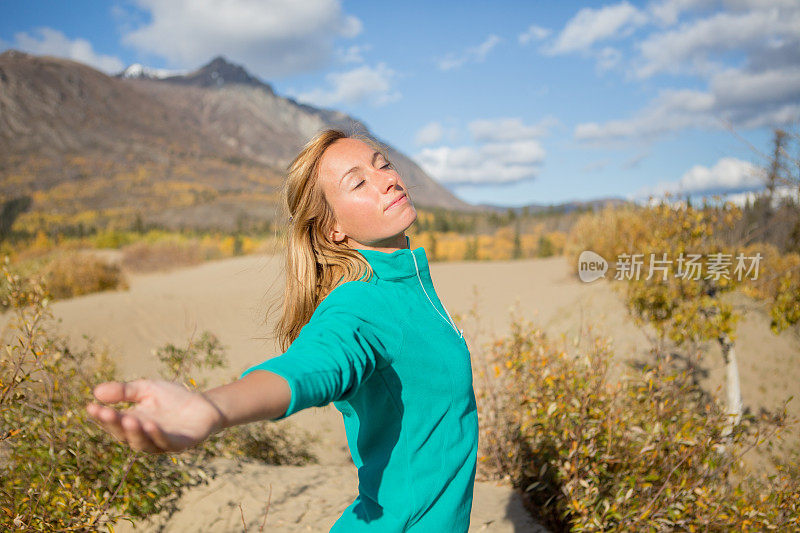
x=390, y=179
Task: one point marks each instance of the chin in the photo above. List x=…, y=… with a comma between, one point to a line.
x=411, y=217
x=407, y=226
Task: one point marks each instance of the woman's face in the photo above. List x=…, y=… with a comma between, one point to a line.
x=362, y=186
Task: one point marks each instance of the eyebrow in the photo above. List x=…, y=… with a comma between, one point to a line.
x=374, y=157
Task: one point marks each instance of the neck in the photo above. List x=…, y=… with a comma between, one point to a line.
x=392, y=244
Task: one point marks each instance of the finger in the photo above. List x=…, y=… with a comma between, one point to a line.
x=108, y=392
x=109, y=420
x=156, y=435
x=120, y=391
x=136, y=436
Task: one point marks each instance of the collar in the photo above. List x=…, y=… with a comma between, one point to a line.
x=397, y=264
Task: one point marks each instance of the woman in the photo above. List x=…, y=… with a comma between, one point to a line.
x=362, y=327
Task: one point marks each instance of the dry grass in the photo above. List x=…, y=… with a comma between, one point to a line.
x=166, y=255
x=72, y=274
x=58, y=470
x=647, y=453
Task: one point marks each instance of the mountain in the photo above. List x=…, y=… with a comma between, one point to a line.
x=564, y=207
x=217, y=73
x=204, y=148
x=246, y=114
x=242, y=105
x=139, y=71
x=51, y=107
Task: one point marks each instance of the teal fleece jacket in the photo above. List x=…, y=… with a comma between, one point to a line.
x=387, y=354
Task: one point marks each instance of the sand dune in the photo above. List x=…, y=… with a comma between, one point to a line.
x=229, y=297
x=304, y=498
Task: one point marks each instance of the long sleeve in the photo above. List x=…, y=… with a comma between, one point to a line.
x=349, y=335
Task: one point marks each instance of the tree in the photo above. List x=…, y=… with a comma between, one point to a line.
x=690, y=308
x=517, y=252
x=472, y=248
x=546, y=248
x=9, y=211
x=776, y=163
x=432, y=246
x=138, y=223
x=683, y=302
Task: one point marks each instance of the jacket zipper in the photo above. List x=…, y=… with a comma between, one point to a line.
x=449, y=319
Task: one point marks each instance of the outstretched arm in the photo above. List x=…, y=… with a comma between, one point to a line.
x=168, y=418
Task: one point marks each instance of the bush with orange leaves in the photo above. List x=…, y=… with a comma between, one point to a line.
x=59, y=471
x=695, y=262
x=645, y=453
x=72, y=274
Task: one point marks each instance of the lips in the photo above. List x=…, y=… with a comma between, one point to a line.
x=396, y=201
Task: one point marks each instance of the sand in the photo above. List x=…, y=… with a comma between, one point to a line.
x=229, y=297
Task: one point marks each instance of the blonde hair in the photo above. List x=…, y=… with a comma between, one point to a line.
x=314, y=264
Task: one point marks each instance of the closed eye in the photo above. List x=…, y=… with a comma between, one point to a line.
x=386, y=166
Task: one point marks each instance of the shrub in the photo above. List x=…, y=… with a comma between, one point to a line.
x=59, y=470
x=72, y=274
x=263, y=441
x=778, y=284
x=66, y=274
x=111, y=238
x=647, y=453
x=545, y=248
x=608, y=232
x=166, y=254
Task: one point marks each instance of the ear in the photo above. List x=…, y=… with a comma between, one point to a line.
x=336, y=235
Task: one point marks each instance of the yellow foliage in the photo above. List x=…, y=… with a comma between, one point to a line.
x=558, y=239
x=250, y=245
x=72, y=274
x=42, y=242
x=225, y=246
x=644, y=453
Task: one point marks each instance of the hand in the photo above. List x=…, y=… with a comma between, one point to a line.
x=166, y=417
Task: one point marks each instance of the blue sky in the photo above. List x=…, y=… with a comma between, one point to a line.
x=504, y=102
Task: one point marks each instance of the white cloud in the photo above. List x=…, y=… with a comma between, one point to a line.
x=671, y=110
x=590, y=25
x=475, y=53
x=634, y=161
x=608, y=58
x=533, y=33
x=750, y=4
x=516, y=152
x=736, y=198
x=47, y=41
x=748, y=55
x=273, y=37
x=667, y=12
x=688, y=48
x=595, y=166
x=509, y=129
x=742, y=99
x=362, y=85
x=475, y=165
x=430, y=133
x=734, y=88
x=780, y=193
x=728, y=175
x=352, y=54
x=506, y=150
